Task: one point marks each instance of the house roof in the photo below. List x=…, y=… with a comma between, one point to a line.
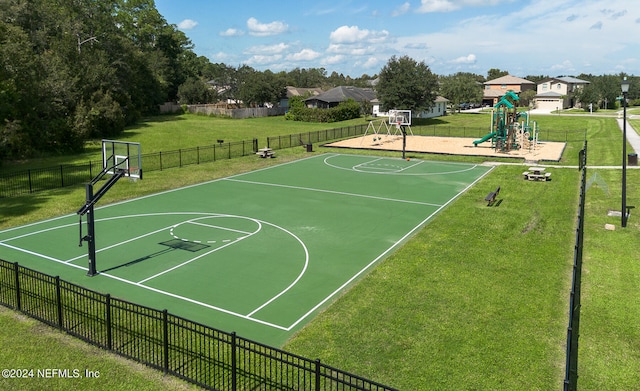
x=567, y=80
x=508, y=79
x=295, y=91
x=342, y=93
x=550, y=94
x=493, y=93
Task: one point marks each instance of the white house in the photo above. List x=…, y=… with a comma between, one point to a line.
x=437, y=110
x=558, y=93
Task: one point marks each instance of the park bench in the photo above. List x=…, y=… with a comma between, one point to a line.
x=491, y=197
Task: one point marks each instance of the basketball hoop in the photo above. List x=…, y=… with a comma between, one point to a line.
x=398, y=124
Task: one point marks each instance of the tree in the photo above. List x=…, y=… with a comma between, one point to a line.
x=461, y=87
x=405, y=84
x=495, y=73
x=194, y=91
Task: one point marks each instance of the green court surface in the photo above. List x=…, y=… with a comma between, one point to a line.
x=258, y=253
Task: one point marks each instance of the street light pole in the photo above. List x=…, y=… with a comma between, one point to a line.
x=625, y=89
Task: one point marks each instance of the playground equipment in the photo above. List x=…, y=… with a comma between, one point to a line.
x=506, y=132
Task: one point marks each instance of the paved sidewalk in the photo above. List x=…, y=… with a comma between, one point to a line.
x=632, y=135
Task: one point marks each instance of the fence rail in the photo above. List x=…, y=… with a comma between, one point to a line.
x=571, y=364
x=35, y=180
x=200, y=354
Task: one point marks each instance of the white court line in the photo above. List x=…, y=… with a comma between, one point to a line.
x=191, y=260
x=333, y=192
x=121, y=243
x=393, y=246
x=41, y=255
x=194, y=301
x=369, y=162
x=222, y=228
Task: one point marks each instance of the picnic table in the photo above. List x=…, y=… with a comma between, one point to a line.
x=265, y=152
x=537, y=174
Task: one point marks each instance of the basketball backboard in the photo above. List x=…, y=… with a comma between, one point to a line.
x=122, y=156
x=400, y=117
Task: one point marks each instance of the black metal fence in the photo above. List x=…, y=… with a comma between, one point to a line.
x=210, y=358
x=318, y=136
x=571, y=371
x=35, y=180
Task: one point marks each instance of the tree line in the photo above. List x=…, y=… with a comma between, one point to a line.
x=76, y=70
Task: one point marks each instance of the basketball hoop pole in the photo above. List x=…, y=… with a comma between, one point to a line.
x=404, y=141
x=90, y=238
x=88, y=209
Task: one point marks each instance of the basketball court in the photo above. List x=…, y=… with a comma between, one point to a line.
x=258, y=253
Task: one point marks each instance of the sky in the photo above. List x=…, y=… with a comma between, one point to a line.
x=357, y=37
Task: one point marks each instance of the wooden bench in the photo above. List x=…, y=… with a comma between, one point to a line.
x=491, y=197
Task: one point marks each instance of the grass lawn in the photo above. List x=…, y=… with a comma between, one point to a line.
x=29, y=344
x=476, y=300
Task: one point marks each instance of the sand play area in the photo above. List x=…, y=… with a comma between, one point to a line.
x=548, y=151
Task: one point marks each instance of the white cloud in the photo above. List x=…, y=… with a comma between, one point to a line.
x=266, y=29
x=230, y=32
x=267, y=49
x=260, y=59
x=403, y=9
x=354, y=34
x=437, y=6
x=427, y=6
x=187, y=24
x=304, y=55
x=338, y=58
x=470, y=59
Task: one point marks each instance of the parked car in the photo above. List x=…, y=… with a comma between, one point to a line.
x=464, y=106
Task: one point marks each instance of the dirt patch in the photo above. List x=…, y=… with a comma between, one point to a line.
x=548, y=151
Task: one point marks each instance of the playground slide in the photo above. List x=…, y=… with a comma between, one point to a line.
x=485, y=138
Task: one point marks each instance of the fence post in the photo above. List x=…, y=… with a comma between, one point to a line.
x=30, y=183
x=61, y=176
x=234, y=364
x=160, y=160
x=317, y=375
x=165, y=337
x=16, y=269
x=108, y=316
x=198, y=155
x=59, y=302
x=229, y=150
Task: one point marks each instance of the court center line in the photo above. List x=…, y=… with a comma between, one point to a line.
x=335, y=192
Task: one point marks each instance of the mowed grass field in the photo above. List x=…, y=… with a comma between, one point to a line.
x=476, y=300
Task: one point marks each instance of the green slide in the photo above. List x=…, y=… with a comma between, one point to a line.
x=485, y=138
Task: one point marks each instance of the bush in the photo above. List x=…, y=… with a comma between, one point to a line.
x=344, y=111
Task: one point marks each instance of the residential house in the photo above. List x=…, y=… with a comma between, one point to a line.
x=437, y=110
x=496, y=88
x=295, y=91
x=558, y=93
x=334, y=96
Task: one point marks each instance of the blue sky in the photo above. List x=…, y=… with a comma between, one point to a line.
x=356, y=37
